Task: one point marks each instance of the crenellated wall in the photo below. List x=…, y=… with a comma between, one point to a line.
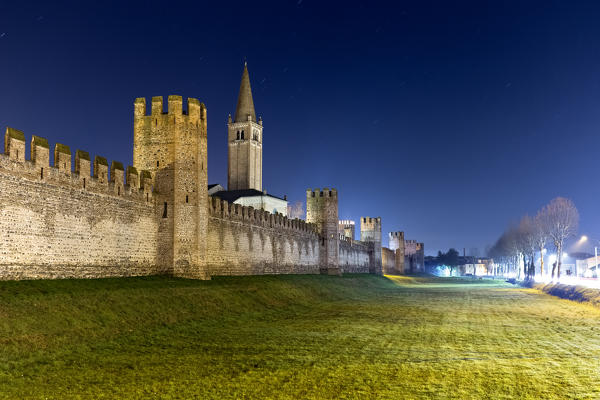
x=56, y=223
x=355, y=256
x=84, y=217
x=246, y=241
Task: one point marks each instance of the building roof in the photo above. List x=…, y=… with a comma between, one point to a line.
x=212, y=185
x=232, y=195
x=245, y=104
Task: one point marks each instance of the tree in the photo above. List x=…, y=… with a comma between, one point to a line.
x=541, y=237
x=451, y=259
x=527, y=245
x=507, y=250
x=295, y=210
x=560, y=220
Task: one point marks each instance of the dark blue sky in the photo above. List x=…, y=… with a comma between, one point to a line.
x=447, y=119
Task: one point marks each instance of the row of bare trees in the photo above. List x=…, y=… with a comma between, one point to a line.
x=516, y=249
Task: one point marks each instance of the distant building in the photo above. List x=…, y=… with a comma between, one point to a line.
x=254, y=198
x=476, y=266
x=578, y=264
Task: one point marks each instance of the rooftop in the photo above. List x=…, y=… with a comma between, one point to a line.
x=232, y=195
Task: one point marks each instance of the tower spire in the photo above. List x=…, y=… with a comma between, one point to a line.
x=245, y=104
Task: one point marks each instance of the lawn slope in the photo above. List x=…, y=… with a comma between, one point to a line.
x=294, y=337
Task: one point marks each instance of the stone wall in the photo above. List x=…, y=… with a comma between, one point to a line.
x=55, y=223
x=354, y=257
x=388, y=261
x=246, y=241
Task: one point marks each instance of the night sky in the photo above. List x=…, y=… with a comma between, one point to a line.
x=447, y=119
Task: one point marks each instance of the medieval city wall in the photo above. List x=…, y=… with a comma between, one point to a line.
x=56, y=223
x=388, y=261
x=247, y=241
x=354, y=256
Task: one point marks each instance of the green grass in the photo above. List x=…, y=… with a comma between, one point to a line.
x=294, y=337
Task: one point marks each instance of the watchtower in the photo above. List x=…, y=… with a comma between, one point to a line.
x=172, y=147
x=245, y=137
x=396, y=243
x=322, y=210
x=370, y=232
x=370, y=229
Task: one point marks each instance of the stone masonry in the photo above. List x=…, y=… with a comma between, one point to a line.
x=84, y=217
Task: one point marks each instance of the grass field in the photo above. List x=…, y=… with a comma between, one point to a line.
x=294, y=337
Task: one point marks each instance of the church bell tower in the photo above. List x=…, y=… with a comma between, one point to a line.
x=245, y=134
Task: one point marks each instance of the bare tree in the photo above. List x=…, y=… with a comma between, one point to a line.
x=541, y=237
x=295, y=210
x=506, y=251
x=560, y=221
x=527, y=245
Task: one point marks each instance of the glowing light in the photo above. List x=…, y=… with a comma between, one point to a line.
x=583, y=239
x=552, y=258
x=565, y=255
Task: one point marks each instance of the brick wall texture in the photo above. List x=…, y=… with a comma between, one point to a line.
x=54, y=228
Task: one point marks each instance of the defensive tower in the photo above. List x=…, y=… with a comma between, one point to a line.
x=172, y=147
x=397, y=245
x=245, y=137
x=370, y=229
x=322, y=210
x=370, y=232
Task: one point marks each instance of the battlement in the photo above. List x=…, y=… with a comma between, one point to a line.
x=369, y=223
x=236, y=212
x=326, y=192
x=370, y=229
x=61, y=173
x=195, y=109
x=396, y=241
x=356, y=244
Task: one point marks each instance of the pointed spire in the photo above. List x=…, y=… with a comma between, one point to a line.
x=245, y=105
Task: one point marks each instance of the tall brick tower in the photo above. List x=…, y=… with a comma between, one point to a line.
x=245, y=137
x=370, y=232
x=322, y=210
x=172, y=146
